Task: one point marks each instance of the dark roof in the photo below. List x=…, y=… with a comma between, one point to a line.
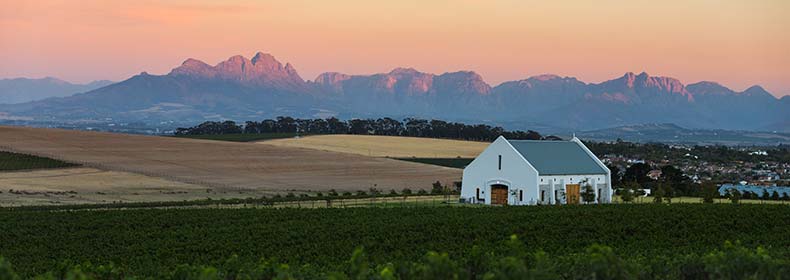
x=557, y=157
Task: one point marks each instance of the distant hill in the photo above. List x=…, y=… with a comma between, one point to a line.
x=252, y=89
x=670, y=133
x=21, y=90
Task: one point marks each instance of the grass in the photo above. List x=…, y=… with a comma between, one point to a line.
x=240, y=137
x=14, y=161
x=446, y=162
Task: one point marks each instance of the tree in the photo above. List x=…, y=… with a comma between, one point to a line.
x=588, y=194
x=658, y=193
x=617, y=176
x=785, y=196
x=775, y=195
x=708, y=192
x=627, y=192
x=437, y=188
x=765, y=195
x=734, y=195
x=637, y=173
x=669, y=192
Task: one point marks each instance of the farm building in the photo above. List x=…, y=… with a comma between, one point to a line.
x=530, y=172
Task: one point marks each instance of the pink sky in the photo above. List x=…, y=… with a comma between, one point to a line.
x=736, y=43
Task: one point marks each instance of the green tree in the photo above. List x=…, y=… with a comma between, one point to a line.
x=734, y=195
x=775, y=195
x=437, y=188
x=765, y=195
x=617, y=175
x=627, y=192
x=588, y=194
x=637, y=172
x=658, y=193
x=669, y=192
x=709, y=192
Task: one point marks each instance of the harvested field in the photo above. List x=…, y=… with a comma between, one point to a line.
x=226, y=166
x=89, y=185
x=385, y=146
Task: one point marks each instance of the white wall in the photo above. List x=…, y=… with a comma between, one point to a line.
x=516, y=173
x=559, y=181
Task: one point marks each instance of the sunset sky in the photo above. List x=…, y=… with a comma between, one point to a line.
x=736, y=43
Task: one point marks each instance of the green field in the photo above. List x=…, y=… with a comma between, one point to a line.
x=446, y=162
x=646, y=240
x=240, y=137
x=13, y=161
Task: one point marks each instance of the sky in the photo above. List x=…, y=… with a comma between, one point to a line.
x=736, y=43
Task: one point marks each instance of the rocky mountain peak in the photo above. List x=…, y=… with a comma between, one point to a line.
x=263, y=69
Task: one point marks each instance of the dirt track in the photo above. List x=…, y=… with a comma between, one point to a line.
x=224, y=165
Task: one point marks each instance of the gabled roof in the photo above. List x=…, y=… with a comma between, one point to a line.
x=557, y=157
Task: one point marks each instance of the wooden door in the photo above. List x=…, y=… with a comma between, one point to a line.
x=572, y=194
x=499, y=194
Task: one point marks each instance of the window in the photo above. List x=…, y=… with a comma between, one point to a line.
x=542, y=195
x=478, y=194
x=520, y=195
x=500, y=162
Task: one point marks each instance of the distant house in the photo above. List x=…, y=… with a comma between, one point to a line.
x=531, y=172
x=654, y=174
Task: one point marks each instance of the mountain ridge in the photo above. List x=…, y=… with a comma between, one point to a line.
x=245, y=89
x=20, y=90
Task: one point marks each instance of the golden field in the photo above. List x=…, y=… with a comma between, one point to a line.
x=227, y=168
x=384, y=146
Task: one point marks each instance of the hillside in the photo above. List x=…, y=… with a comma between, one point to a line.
x=670, y=133
x=385, y=146
x=22, y=90
x=248, y=169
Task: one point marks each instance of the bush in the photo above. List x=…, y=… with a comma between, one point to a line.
x=422, y=192
x=406, y=191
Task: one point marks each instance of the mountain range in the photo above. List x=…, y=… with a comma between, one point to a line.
x=20, y=90
x=262, y=87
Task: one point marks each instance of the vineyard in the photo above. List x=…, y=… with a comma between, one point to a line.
x=13, y=161
x=638, y=241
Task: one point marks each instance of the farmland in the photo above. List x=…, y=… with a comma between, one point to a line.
x=15, y=161
x=386, y=146
x=220, y=168
x=68, y=186
x=654, y=240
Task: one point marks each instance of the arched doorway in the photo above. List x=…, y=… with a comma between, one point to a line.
x=499, y=194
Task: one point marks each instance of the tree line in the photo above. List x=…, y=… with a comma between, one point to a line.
x=412, y=127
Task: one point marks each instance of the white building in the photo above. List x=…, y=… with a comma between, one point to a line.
x=530, y=172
